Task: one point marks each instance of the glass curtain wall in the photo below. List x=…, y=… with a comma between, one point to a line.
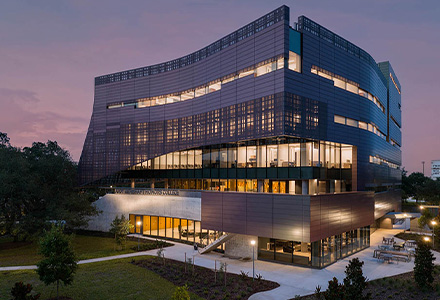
x=172, y=228
x=267, y=154
x=333, y=248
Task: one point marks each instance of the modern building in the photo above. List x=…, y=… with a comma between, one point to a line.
x=287, y=135
x=435, y=169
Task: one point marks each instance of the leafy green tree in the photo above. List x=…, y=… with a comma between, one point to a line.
x=120, y=227
x=423, y=265
x=59, y=262
x=355, y=282
x=39, y=186
x=425, y=218
x=335, y=290
x=181, y=293
x=20, y=291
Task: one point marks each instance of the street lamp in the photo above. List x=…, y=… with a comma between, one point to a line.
x=421, y=207
x=253, y=259
x=138, y=223
x=433, y=222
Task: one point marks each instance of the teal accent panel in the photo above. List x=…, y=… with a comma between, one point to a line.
x=295, y=41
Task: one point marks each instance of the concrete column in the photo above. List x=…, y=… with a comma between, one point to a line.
x=304, y=247
x=305, y=187
x=292, y=187
x=332, y=186
x=166, y=183
x=132, y=183
x=260, y=186
x=152, y=184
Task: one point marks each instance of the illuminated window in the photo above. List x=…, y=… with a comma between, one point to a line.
x=200, y=92
x=339, y=119
x=245, y=73
x=294, y=62
x=351, y=122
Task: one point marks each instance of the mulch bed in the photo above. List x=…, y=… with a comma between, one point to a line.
x=399, y=287
x=201, y=281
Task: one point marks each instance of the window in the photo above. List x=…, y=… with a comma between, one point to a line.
x=294, y=62
x=245, y=73
x=339, y=83
x=200, y=92
x=351, y=122
x=272, y=155
x=339, y=119
x=214, y=87
x=187, y=96
x=352, y=88
x=363, y=125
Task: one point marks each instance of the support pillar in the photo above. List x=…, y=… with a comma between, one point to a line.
x=305, y=187
x=132, y=183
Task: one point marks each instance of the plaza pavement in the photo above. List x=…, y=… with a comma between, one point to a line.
x=293, y=280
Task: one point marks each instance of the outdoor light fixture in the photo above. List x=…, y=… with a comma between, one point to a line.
x=405, y=215
x=433, y=222
x=421, y=207
x=253, y=259
x=426, y=239
x=138, y=223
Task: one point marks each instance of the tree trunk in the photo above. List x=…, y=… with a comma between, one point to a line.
x=58, y=283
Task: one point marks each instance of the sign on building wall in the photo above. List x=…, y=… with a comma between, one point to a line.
x=435, y=169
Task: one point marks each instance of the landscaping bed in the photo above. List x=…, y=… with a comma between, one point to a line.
x=205, y=282
x=399, y=287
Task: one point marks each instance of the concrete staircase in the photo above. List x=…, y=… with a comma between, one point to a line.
x=216, y=243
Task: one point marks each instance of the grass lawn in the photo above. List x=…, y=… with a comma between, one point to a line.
x=115, y=279
x=86, y=247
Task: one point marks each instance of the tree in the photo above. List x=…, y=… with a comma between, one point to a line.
x=59, y=262
x=423, y=265
x=335, y=290
x=39, y=186
x=420, y=187
x=20, y=291
x=425, y=218
x=120, y=227
x=355, y=282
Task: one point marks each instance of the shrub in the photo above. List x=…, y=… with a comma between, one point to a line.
x=20, y=291
x=335, y=290
x=181, y=293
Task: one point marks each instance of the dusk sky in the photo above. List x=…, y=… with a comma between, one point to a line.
x=50, y=52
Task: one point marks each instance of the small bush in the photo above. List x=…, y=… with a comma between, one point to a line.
x=181, y=293
x=20, y=291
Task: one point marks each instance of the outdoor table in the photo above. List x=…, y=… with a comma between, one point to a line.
x=399, y=246
x=386, y=257
x=411, y=243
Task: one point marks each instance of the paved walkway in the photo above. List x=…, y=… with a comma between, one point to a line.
x=293, y=280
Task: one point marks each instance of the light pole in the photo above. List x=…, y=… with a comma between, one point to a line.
x=433, y=234
x=253, y=259
x=138, y=223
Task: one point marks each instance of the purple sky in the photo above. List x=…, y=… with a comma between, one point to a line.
x=52, y=50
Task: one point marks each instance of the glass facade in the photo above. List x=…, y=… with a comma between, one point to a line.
x=264, y=165
x=317, y=254
x=333, y=248
x=184, y=230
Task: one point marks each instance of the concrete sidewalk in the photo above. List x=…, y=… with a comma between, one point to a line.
x=293, y=280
